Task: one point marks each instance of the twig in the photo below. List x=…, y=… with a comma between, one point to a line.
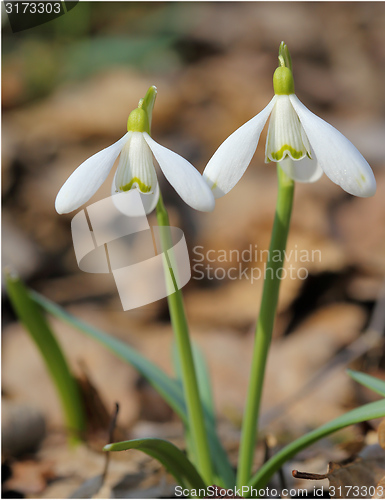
x=309, y=475
x=110, y=438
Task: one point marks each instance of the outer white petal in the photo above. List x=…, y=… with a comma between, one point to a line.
x=184, y=177
x=304, y=170
x=88, y=178
x=149, y=200
x=233, y=156
x=337, y=156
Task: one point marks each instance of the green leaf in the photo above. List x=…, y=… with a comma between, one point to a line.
x=203, y=379
x=368, y=381
x=169, y=455
x=169, y=389
x=204, y=383
x=34, y=321
x=366, y=412
x=206, y=395
x=225, y=475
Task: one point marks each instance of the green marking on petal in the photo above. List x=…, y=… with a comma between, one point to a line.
x=287, y=151
x=141, y=185
x=361, y=180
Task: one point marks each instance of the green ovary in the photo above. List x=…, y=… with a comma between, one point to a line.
x=135, y=180
x=287, y=150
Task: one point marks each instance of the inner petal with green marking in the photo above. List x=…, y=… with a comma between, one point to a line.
x=285, y=137
x=136, y=167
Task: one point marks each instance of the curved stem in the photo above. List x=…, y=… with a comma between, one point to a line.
x=265, y=324
x=183, y=345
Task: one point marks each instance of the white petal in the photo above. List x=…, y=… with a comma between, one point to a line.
x=285, y=137
x=136, y=166
x=233, y=156
x=337, y=156
x=305, y=170
x=88, y=178
x=149, y=200
x=184, y=177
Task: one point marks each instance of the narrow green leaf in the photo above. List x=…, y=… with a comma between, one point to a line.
x=169, y=455
x=169, y=389
x=204, y=383
x=366, y=412
x=368, y=381
x=224, y=474
x=203, y=379
x=35, y=323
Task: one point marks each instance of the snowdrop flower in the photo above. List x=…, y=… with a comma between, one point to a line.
x=304, y=145
x=136, y=168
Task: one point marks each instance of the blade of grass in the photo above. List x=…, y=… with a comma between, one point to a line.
x=368, y=381
x=169, y=389
x=222, y=467
x=169, y=455
x=162, y=383
x=366, y=412
x=36, y=325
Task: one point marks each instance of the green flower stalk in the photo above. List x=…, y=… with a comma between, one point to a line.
x=304, y=147
x=265, y=324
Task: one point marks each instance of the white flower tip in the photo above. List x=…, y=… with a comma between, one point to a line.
x=366, y=186
x=208, y=205
x=61, y=204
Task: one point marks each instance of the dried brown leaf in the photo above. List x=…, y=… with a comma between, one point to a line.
x=380, y=489
x=30, y=477
x=355, y=477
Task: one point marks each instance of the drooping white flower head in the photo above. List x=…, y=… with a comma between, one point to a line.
x=136, y=169
x=304, y=145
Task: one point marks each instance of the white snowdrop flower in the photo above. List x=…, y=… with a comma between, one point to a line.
x=304, y=145
x=136, y=168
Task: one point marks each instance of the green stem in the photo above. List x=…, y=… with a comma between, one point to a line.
x=183, y=345
x=265, y=324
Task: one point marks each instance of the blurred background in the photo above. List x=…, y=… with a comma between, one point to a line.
x=67, y=89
